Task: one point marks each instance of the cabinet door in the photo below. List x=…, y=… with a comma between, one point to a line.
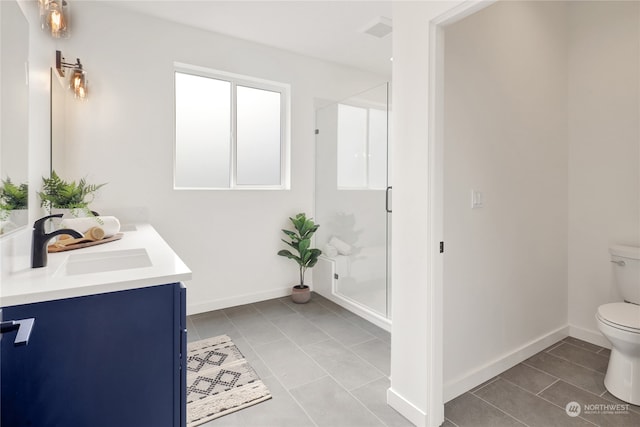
x=97, y=361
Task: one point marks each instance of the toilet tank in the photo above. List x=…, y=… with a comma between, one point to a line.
x=626, y=267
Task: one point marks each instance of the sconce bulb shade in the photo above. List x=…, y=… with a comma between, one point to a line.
x=54, y=17
x=78, y=83
x=77, y=78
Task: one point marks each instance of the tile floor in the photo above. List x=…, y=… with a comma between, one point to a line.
x=536, y=392
x=326, y=366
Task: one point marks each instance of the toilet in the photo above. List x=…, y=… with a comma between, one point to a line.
x=619, y=322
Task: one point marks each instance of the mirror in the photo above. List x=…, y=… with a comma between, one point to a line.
x=14, y=117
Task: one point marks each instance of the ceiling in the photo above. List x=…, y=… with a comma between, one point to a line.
x=331, y=30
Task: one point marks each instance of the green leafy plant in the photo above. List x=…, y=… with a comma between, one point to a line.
x=58, y=193
x=300, y=241
x=12, y=196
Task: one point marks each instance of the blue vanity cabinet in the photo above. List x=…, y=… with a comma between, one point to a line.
x=104, y=360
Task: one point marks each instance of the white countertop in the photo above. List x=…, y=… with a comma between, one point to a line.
x=29, y=285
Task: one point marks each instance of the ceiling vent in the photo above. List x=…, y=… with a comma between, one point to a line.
x=379, y=28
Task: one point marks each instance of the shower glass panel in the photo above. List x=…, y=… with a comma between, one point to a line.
x=352, y=178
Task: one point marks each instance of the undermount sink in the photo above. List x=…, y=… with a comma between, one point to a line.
x=98, y=262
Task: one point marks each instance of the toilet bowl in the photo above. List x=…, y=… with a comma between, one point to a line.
x=619, y=322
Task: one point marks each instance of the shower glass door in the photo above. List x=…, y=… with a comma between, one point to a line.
x=352, y=196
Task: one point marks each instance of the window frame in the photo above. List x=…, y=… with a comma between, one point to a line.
x=284, y=89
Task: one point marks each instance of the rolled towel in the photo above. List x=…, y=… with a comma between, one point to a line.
x=109, y=224
x=330, y=251
x=343, y=248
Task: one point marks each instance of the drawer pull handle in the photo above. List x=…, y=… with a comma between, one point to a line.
x=23, y=327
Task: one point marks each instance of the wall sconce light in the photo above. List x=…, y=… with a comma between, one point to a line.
x=78, y=78
x=54, y=17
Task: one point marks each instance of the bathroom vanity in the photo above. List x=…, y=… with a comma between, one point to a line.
x=107, y=341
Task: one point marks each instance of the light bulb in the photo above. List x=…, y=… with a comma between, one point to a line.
x=78, y=83
x=55, y=19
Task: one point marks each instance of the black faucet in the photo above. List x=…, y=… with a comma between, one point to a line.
x=40, y=240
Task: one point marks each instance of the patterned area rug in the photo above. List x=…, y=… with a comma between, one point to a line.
x=219, y=380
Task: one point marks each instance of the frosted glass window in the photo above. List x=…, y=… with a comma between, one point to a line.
x=352, y=147
x=377, y=149
x=231, y=131
x=259, y=136
x=362, y=148
x=203, y=132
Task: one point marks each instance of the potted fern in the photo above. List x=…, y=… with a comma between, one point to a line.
x=14, y=200
x=58, y=194
x=305, y=256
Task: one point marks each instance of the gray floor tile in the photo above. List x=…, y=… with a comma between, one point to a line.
x=341, y=330
x=289, y=363
x=243, y=316
x=330, y=405
x=279, y=411
x=583, y=344
x=261, y=333
x=299, y=330
x=348, y=369
x=374, y=397
x=252, y=325
x=447, y=423
x=209, y=315
x=581, y=356
x=528, y=378
x=335, y=364
x=311, y=309
x=213, y=325
x=273, y=308
x=469, y=411
x=526, y=407
x=577, y=375
x=254, y=360
x=376, y=352
x=339, y=310
x=371, y=328
x=593, y=408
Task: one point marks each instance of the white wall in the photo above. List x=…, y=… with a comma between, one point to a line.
x=604, y=151
x=415, y=377
x=505, y=135
x=123, y=135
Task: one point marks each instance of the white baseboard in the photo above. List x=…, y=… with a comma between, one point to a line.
x=588, y=335
x=211, y=305
x=477, y=376
x=406, y=408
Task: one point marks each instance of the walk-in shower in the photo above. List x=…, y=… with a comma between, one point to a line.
x=352, y=204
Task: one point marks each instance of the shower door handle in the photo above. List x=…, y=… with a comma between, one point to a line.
x=387, y=200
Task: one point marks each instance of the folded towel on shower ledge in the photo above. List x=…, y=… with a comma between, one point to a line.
x=342, y=247
x=329, y=251
x=109, y=224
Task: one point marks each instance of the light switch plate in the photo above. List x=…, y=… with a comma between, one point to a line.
x=476, y=199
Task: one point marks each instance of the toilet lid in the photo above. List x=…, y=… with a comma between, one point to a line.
x=623, y=314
